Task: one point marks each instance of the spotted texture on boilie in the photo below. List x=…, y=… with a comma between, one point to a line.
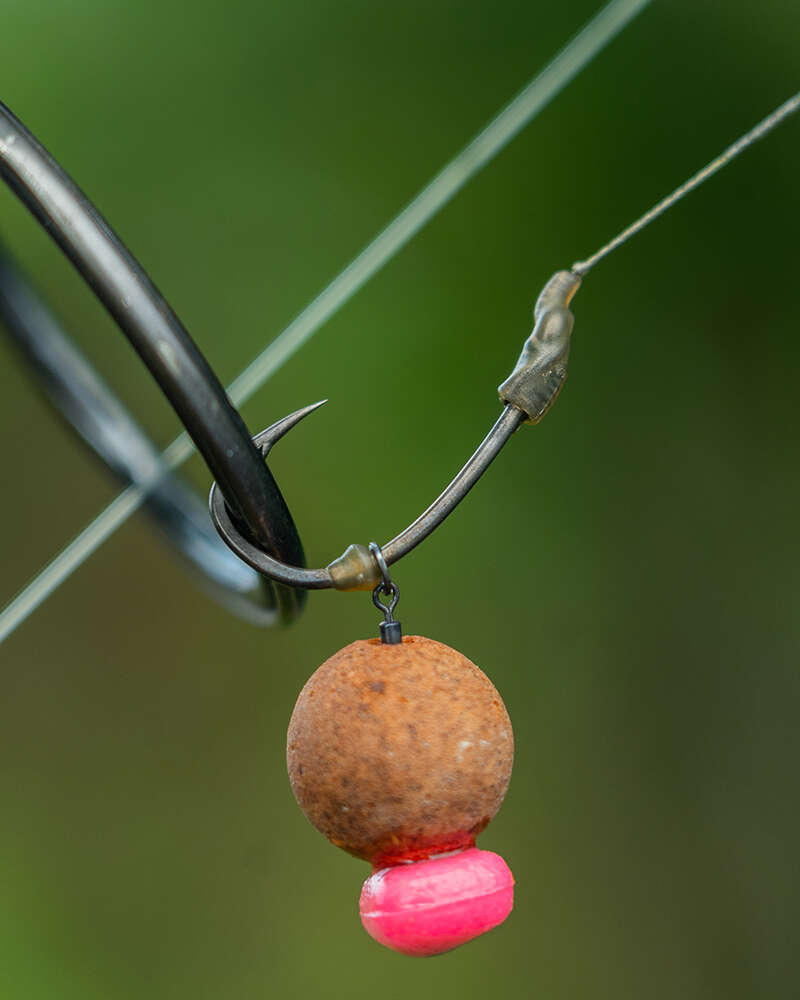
x=399, y=752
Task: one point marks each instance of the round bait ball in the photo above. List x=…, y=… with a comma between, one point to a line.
x=432, y=906
x=399, y=752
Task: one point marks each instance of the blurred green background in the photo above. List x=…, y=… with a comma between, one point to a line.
x=626, y=573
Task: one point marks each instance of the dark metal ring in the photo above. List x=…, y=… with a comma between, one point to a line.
x=377, y=555
x=83, y=399
x=161, y=341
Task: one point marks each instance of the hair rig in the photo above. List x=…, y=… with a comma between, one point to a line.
x=399, y=749
x=411, y=787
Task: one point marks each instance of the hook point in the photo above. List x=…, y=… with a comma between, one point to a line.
x=267, y=438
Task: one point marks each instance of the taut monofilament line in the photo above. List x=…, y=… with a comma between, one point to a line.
x=757, y=132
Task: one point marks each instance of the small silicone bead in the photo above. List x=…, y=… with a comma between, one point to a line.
x=431, y=906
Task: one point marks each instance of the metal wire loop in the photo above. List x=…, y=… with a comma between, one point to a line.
x=387, y=609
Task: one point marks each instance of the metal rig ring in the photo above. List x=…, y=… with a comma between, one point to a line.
x=375, y=549
x=175, y=362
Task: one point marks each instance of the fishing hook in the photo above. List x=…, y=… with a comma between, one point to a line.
x=247, y=507
x=527, y=393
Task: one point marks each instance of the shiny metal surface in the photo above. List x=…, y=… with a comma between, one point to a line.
x=158, y=336
x=364, y=571
x=528, y=393
x=80, y=395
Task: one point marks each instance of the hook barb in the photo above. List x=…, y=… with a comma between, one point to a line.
x=267, y=438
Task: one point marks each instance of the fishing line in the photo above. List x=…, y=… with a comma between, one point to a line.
x=757, y=132
x=510, y=120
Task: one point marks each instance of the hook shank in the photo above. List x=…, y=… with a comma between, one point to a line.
x=452, y=495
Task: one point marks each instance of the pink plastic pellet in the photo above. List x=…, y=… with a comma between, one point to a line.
x=431, y=906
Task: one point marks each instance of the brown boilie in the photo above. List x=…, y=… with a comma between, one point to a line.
x=399, y=752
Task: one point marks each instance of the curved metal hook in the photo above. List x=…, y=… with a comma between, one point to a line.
x=88, y=405
x=528, y=393
x=158, y=336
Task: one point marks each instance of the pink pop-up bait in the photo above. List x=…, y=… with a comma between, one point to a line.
x=401, y=755
x=428, y=907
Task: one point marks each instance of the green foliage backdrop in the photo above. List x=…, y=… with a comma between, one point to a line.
x=626, y=573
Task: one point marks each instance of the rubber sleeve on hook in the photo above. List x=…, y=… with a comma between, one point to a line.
x=541, y=369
